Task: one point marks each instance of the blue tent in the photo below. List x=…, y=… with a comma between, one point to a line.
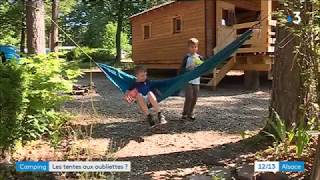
x=9, y=52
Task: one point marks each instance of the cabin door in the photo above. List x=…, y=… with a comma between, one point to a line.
x=225, y=19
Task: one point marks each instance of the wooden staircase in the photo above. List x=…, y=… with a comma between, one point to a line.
x=214, y=78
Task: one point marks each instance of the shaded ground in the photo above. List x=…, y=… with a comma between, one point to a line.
x=106, y=127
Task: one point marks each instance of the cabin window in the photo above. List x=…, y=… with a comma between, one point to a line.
x=228, y=17
x=147, y=31
x=177, y=25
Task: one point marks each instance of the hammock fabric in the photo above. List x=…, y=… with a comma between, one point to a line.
x=168, y=87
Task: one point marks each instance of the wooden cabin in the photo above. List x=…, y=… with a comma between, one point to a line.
x=160, y=34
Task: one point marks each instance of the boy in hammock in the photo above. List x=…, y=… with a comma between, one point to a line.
x=143, y=94
x=191, y=61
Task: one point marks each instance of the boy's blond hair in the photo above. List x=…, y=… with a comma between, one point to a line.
x=193, y=41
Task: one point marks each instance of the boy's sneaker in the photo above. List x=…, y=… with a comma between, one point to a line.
x=184, y=117
x=161, y=118
x=150, y=120
x=192, y=117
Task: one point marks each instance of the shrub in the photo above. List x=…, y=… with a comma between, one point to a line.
x=102, y=55
x=99, y=55
x=283, y=135
x=11, y=99
x=109, y=39
x=31, y=93
x=107, y=44
x=8, y=36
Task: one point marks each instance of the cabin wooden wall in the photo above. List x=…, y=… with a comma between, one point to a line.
x=252, y=5
x=165, y=49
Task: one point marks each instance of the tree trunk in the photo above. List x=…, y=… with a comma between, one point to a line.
x=23, y=30
x=35, y=27
x=23, y=38
x=119, y=30
x=316, y=164
x=286, y=81
x=54, y=28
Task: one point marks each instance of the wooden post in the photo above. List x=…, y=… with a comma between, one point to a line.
x=251, y=80
x=266, y=18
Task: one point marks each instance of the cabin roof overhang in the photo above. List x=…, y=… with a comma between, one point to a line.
x=152, y=9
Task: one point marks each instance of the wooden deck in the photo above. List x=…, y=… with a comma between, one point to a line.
x=256, y=54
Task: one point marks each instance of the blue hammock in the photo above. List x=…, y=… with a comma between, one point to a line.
x=168, y=87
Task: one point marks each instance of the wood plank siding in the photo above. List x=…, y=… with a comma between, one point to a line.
x=164, y=47
x=159, y=43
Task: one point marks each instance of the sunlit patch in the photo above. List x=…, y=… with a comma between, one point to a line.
x=179, y=173
x=170, y=143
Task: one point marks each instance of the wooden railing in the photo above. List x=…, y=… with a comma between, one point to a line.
x=262, y=40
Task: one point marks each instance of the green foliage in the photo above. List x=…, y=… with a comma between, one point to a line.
x=47, y=79
x=279, y=132
x=84, y=21
x=11, y=22
x=279, y=127
x=12, y=18
x=306, y=37
x=9, y=37
x=65, y=7
x=105, y=37
x=302, y=140
x=32, y=92
x=286, y=136
x=88, y=27
x=97, y=54
x=219, y=176
x=11, y=100
x=109, y=39
x=246, y=134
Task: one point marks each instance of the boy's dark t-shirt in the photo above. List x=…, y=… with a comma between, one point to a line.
x=142, y=87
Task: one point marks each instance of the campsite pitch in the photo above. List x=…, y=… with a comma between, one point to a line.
x=106, y=127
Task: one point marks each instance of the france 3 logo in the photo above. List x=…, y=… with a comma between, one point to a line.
x=295, y=18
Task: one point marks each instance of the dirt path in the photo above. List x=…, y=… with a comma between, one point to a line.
x=183, y=148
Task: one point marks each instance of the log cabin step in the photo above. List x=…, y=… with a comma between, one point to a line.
x=205, y=85
x=206, y=78
x=221, y=73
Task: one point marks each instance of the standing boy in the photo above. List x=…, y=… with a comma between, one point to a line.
x=143, y=94
x=190, y=61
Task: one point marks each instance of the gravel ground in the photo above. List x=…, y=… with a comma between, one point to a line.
x=221, y=116
x=229, y=109
x=112, y=129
